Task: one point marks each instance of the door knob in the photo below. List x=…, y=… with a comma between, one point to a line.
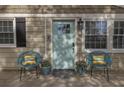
x=73, y=44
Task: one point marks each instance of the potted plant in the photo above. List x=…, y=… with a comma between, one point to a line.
x=45, y=67
x=81, y=67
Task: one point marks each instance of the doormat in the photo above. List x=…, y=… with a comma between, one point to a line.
x=63, y=73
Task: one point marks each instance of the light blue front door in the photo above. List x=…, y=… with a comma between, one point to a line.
x=63, y=44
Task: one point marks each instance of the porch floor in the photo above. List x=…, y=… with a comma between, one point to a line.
x=64, y=79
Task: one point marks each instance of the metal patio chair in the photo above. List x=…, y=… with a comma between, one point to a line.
x=100, y=60
x=28, y=60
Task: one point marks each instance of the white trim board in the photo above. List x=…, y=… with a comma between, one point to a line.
x=98, y=16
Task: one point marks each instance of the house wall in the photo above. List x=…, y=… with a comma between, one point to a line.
x=58, y=9
x=39, y=28
x=35, y=39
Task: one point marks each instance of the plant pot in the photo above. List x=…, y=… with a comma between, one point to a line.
x=46, y=70
x=81, y=70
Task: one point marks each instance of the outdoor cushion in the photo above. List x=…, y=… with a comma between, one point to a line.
x=98, y=58
x=99, y=62
x=29, y=60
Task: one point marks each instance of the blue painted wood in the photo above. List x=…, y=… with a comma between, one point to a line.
x=63, y=44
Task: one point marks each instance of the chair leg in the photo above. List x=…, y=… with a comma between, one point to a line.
x=107, y=74
x=18, y=71
x=21, y=73
x=24, y=70
x=104, y=72
x=91, y=71
x=37, y=73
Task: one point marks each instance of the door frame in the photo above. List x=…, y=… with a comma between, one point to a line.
x=75, y=36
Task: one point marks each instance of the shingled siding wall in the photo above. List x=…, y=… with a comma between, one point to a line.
x=118, y=61
x=35, y=31
x=58, y=9
x=34, y=40
x=49, y=37
x=35, y=36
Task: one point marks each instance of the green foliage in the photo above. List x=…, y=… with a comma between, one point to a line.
x=80, y=64
x=46, y=63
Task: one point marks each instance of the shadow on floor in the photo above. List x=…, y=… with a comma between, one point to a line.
x=60, y=79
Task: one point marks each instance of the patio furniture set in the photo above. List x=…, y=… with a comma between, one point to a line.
x=96, y=60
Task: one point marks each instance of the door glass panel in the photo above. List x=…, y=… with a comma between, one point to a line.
x=63, y=28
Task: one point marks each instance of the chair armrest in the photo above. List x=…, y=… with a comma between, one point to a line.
x=89, y=59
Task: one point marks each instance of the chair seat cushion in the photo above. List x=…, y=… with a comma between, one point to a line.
x=98, y=58
x=99, y=62
x=29, y=60
x=29, y=63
